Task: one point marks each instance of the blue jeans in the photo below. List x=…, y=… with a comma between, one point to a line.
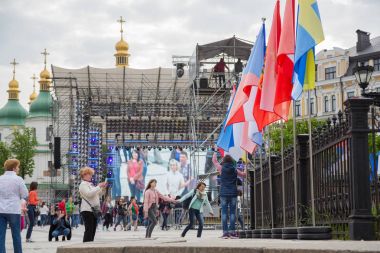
x=31, y=210
x=14, y=221
x=75, y=220
x=44, y=219
x=135, y=192
x=64, y=232
x=228, y=203
x=197, y=214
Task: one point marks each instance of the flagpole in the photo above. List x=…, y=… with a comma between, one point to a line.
x=283, y=174
x=295, y=171
x=254, y=188
x=311, y=163
x=261, y=187
x=245, y=183
x=270, y=179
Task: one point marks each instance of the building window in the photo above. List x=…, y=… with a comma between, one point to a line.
x=350, y=94
x=326, y=103
x=333, y=103
x=34, y=132
x=330, y=73
x=316, y=72
x=48, y=134
x=298, y=108
x=376, y=65
x=311, y=106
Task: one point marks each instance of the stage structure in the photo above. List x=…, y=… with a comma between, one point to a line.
x=98, y=110
x=207, y=92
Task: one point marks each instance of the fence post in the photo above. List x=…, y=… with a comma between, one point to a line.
x=303, y=179
x=274, y=161
x=252, y=194
x=361, y=222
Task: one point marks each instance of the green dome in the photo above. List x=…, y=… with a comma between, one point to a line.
x=13, y=114
x=41, y=107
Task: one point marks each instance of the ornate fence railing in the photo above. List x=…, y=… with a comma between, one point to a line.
x=340, y=165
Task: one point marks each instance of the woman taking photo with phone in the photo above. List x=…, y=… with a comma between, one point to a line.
x=90, y=195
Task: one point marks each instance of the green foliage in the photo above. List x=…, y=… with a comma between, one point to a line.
x=301, y=128
x=5, y=154
x=23, y=148
x=377, y=142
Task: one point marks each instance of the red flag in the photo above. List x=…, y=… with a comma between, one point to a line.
x=264, y=103
x=285, y=61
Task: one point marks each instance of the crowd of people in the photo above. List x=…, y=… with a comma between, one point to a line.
x=23, y=209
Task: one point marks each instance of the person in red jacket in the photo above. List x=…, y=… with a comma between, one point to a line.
x=219, y=72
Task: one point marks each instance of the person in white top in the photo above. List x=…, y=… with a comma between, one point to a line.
x=12, y=190
x=90, y=195
x=44, y=210
x=175, y=179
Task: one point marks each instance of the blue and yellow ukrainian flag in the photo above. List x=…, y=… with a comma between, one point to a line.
x=309, y=34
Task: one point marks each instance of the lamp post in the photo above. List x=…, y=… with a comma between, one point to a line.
x=363, y=75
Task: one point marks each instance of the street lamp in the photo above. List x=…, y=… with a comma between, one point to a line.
x=363, y=75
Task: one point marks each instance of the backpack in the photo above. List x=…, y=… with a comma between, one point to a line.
x=186, y=202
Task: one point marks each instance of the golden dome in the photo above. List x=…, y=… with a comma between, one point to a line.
x=122, y=46
x=13, y=84
x=33, y=96
x=45, y=74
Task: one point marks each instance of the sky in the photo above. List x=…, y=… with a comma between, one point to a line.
x=78, y=33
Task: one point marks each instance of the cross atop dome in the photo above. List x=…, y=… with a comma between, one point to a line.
x=14, y=63
x=121, y=21
x=45, y=54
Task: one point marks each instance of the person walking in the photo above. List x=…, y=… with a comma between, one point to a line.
x=107, y=210
x=12, y=190
x=228, y=192
x=76, y=216
x=151, y=200
x=44, y=210
x=32, y=205
x=198, y=199
x=69, y=208
x=122, y=212
x=90, y=195
x=134, y=212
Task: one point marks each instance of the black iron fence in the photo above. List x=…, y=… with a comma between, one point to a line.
x=340, y=165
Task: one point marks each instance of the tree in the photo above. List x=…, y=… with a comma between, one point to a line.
x=301, y=128
x=5, y=154
x=23, y=148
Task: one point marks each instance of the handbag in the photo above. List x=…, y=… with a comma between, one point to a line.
x=95, y=209
x=140, y=184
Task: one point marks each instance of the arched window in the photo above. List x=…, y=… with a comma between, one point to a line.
x=333, y=103
x=326, y=103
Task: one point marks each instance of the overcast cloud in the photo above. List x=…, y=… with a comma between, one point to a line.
x=78, y=33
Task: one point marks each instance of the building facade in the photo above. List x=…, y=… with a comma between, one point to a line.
x=335, y=80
